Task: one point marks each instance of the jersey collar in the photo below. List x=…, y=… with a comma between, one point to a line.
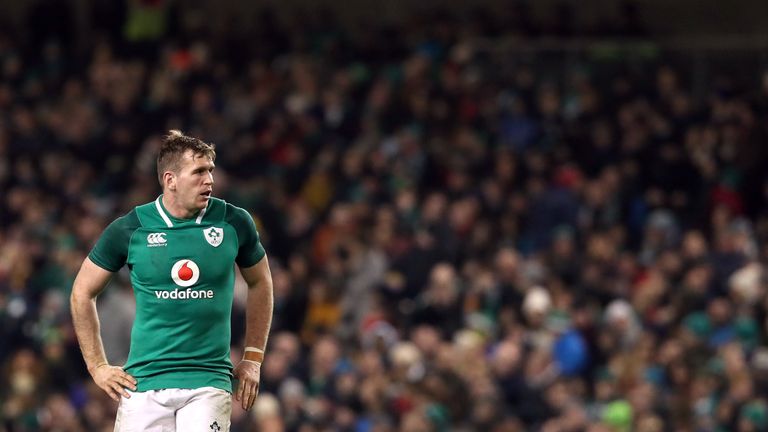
x=168, y=219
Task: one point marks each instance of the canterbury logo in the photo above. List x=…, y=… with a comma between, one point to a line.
x=156, y=239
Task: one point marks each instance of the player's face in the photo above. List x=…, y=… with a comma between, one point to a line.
x=194, y=181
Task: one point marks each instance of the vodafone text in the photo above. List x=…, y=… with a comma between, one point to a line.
x=189, y=293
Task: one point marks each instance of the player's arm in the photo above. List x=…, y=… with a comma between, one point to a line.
x=258, y=315
x=89, y=283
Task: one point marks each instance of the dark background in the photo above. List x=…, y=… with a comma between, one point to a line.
x=503, y=216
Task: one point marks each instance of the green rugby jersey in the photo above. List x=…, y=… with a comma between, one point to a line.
x=183, y=274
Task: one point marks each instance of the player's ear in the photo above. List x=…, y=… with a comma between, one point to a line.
x=169, y=181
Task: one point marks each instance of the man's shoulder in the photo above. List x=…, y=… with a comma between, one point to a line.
x=216, y=211
x=110, y=250
x=128, y=221
x=233, y=214
x=150, y=215
x=220, y=209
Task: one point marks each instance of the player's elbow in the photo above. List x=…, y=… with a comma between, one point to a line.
x=80, y=294
x=77, y=297
x=260, y=284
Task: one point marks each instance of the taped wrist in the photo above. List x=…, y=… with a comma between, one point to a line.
x=253, y=354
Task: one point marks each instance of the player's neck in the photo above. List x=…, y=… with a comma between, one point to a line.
x=174, y=207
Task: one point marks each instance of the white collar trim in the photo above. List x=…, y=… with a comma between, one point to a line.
x=168, y=220
x=162, y=213
x=202, y=213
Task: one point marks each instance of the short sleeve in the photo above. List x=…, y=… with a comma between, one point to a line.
x=250, y=251
x=111, y=250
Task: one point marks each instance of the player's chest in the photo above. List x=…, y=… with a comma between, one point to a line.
x=209, y=250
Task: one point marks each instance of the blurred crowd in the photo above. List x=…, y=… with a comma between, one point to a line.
x=459, y=242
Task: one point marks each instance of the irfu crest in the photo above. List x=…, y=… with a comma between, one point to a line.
x=214, y=236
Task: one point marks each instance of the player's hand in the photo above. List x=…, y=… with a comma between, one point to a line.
x=113, y=380
x=248, y=373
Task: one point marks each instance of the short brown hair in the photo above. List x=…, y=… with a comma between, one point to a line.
x=173, y=147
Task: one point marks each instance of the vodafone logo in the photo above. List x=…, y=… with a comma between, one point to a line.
x=185, y=273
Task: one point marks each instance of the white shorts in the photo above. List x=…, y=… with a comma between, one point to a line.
x=206, y=409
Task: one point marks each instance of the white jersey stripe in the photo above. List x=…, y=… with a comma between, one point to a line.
x=162, y=213
x=200, y=216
